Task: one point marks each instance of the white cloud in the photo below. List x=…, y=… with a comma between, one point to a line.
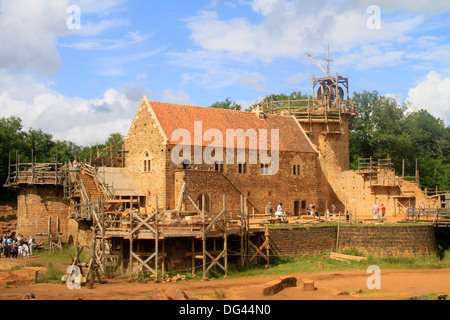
x=130, y=38
x=422, y=6
x=176, y=96
x=289, y=29
x=83, y=121
x=28, y=34
x=385, y=59
x=89, y=28
x=264, y=7
x=256, y=80
x=212, y=73
x=298, y=78
x=433, y=94
x=103, y=7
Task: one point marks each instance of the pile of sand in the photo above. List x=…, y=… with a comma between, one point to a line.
x=22, y=276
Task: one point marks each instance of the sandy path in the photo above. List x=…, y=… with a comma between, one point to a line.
x=331, y=285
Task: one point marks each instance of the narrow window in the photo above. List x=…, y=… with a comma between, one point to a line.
x=218, y=166
x=242, y=167
x=303, y=204
x=264, y=169
x=146, y=163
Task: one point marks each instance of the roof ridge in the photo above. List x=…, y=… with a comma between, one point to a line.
x=211, y=108
x=188, y=105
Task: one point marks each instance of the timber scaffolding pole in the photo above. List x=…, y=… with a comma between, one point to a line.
x=33, y=173
x=245, y=242
x=151, y=223
x=212, y=227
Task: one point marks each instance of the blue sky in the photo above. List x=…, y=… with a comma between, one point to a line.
x=83, y=84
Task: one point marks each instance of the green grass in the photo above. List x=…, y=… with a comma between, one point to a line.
x=310, y=263
x=55, y=263
x=62, y=256
x=279, y=266
x=53, y=274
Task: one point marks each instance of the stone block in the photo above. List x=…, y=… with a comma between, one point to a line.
x=308, y=285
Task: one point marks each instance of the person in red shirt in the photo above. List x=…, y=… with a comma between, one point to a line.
x=383, y=210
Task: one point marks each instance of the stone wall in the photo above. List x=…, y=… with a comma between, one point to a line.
x=212, y=184
x=389, y=240
x=294, y=191
x=35, y=204
x=8, y=218
x=299, y=241
x=403, y=240
x=146, y=136
x=333, y=148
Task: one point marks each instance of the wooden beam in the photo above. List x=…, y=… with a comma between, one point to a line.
x=335, y=255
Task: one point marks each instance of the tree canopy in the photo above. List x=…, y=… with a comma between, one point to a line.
x=226, y=104
x=386, y=128
x=14, y=141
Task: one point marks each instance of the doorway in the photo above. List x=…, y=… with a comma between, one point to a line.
x=200, y=202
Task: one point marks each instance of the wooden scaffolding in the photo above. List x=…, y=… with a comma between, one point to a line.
x=215, y=228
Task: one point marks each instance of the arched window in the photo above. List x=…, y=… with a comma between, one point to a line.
x=297, y=166
x=146, y=162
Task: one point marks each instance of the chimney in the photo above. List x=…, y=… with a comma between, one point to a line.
x=259, y=111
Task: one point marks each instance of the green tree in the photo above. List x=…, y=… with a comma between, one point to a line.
x=294, y=95
x=384, y=127
x=226, y=104
x=362, y=134
x=11, y=144
x=64, y=151
x=116, y=140
x=40, y=143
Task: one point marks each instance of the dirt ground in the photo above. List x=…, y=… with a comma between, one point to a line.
x=331, y=285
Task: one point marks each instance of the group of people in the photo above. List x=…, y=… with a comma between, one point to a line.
x=376, y=211
x=279, y=215
x=421, y=208
x=13, y=247
x=312, y=210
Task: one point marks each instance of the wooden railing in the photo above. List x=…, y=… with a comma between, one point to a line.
x=434, y=215
x=306, y=106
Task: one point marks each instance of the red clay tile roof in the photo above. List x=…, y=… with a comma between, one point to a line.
x=176, y=116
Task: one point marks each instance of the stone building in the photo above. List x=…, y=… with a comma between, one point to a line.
x=206, y=163
x=290, y=152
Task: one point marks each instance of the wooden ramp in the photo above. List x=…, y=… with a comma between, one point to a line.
x=120, y=182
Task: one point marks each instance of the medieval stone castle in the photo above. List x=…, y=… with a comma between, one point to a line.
x=304, y=160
